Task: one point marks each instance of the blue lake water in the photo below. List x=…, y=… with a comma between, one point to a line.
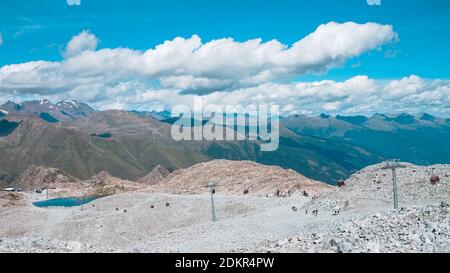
x=66, y=202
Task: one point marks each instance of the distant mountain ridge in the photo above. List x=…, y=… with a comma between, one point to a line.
x=82, y=142
x=422, y=139
x=159, y=115
x=45, y=109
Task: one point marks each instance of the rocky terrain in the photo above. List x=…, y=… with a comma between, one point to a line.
x=372, y=186
x=425, y=229
x=39, y=179
x=11, y=199
x=43, y=177
x=239, y=177
x=145, y=220
x=104, y=184
x=158, y=174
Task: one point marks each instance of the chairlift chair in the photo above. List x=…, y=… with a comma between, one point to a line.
x=341, y=183
x=434, y=179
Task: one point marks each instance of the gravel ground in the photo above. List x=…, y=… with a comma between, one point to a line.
x=141, y=222
x=425, y=230
x=127, y=222
x=372, y=187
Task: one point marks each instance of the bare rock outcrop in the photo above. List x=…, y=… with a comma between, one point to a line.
x=158, y=174
x=105, y=184
x=11, y=199
x=43, y=177
x=62, y=184
x=239, y=177
x=102, y=178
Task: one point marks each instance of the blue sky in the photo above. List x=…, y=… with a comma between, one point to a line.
x=41, y=29
x=34, y=30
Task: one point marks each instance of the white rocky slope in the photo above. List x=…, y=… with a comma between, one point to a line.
x=369, y=223
x=155, y=176
x=425, y=229
x=156, y=222
x=39, y=245
x=372, y=186
x=239, y=177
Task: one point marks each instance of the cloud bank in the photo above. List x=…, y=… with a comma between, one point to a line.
x=225, y=71
x=196, y=67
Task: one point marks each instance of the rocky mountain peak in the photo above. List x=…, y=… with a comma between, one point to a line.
x=240, y=177
x=45, y=109
x=155, y=176
x=42, y=177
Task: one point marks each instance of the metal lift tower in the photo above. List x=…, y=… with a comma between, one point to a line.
x=393, y=165
x=211, y=186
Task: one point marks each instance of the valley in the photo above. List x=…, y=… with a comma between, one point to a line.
x=129, y=145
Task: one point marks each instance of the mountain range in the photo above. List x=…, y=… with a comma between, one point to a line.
x=422, y=139
x=74, y=137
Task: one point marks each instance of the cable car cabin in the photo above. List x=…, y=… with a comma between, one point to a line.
x=341, y=183
x=434, y=180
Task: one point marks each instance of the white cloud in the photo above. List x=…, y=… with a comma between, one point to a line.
x=357, y=95
x=73, y=2
x=85, y=41
x=226, y=71
x=196, y=67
